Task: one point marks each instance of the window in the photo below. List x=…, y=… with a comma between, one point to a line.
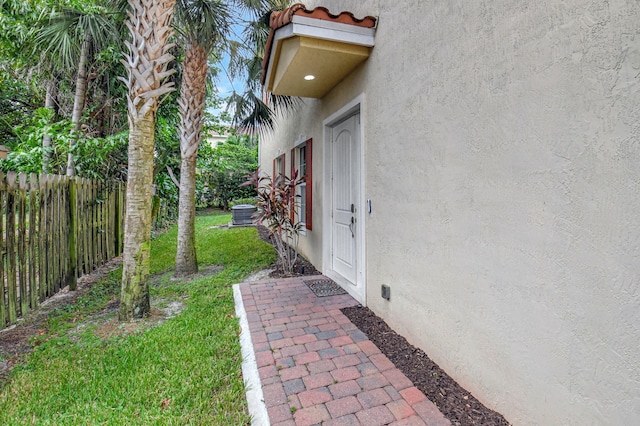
x=301, y=159
x=278, y=166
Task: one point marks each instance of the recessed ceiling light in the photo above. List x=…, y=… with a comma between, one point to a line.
x=309, y=77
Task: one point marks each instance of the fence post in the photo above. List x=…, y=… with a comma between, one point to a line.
x=4, y=320
x=22, y=243
x=119, y=208
x=73, y=232
x=11, y=247
x=33, y=239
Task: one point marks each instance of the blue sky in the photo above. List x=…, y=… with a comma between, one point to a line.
x=225, y=85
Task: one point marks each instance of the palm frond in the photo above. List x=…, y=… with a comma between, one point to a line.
x=205, y=22
x=62, y=34
x=250, y=112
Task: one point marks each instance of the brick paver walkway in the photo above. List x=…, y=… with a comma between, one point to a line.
x=316, y=367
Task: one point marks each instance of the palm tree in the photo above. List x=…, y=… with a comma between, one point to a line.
x=202, y=26
x=250, y=111
x=69, y=35
x=147, y=64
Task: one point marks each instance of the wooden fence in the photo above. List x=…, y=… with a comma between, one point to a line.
x=53, y=229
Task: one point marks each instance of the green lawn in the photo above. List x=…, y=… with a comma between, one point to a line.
x=183, y=372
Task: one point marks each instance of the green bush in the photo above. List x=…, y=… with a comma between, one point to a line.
x=239, y=201
x=223, y=169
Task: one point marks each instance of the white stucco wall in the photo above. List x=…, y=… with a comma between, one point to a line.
x=502, y=157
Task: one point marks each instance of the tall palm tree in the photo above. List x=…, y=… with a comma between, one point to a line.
x=250, y=111
x=69, y=35
x=202, y=26
x=147, y=64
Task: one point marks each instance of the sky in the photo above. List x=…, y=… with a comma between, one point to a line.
x=224, y=83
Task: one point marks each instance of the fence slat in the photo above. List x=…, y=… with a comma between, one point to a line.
x=49, y=230
x=42, y=239
x=22, y=243
x=53, y=230
x=94, y=227
x=85, y=225
x=73, y=250
x=33, y=240
x=4, y=318
x=64, y=230
x=11, y=247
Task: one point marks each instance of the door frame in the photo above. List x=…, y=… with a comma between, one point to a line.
x=359, y=291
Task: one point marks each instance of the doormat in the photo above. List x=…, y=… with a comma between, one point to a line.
x=324, y=287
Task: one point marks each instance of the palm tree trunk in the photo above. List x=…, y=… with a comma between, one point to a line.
x=186, y=260
x=79, y=100
x=147, y=61
x=46, y=139
x=191, y=107
x=135, y=302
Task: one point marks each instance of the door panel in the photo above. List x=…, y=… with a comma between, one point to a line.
x=345, y=173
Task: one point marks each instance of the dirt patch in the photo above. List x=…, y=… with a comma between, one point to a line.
x=15, y=341
x=458, y=405
x=106, y=325
x=168, y=278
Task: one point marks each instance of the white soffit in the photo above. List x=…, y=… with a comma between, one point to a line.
x=319, y=29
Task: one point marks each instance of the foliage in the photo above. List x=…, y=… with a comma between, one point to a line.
x=84, y=375
x=98, y=158
x=250, y=111
x=17, y=101
x=167, y=153
x=239, y=201
x=224, y=168
x=62, y=34
x=277, y=202
x=27, y=152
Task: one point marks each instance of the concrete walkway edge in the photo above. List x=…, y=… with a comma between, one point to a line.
x=255, y=398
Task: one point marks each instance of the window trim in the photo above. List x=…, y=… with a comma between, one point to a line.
x=295, y=159
x=282, y=159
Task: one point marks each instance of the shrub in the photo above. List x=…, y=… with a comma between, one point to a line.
x=239, y=201
x=277, y=203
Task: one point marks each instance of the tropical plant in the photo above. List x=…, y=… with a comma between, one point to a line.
x=250, y=110
x=223, y=169
x=147, y=63
x=69, y=35
x=28, y=154
x=203, y=24
x=277, y=204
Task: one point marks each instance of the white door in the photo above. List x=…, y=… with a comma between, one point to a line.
x=345, y=185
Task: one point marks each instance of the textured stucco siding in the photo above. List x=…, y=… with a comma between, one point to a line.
x=502, y=158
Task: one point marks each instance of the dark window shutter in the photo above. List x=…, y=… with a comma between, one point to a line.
x=292, y=212
x=309, y=187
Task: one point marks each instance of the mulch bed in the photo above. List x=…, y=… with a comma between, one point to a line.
x=457, y=405
x=302, y=267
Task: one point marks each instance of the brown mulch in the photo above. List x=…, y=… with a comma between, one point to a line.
x=302, y=267
x=457, y=405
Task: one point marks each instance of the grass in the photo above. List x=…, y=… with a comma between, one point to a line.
x=183, y=372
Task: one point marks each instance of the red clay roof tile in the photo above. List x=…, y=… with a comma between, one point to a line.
x=281, y=18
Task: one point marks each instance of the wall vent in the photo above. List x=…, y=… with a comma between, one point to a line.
x=386, y=292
